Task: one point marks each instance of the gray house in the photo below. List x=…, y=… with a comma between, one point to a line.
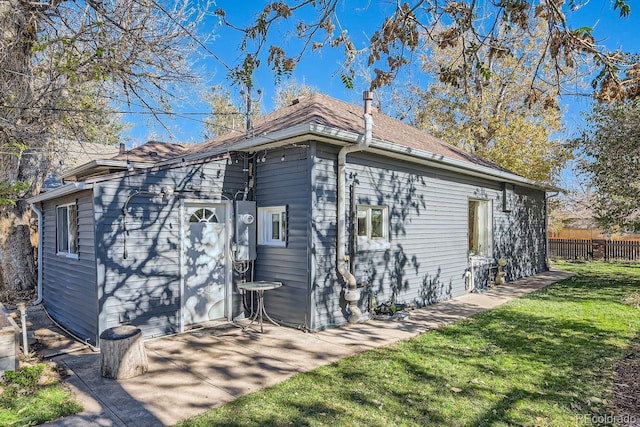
x=343, y=208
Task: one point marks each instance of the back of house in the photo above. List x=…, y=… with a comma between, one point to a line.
x=347, y=209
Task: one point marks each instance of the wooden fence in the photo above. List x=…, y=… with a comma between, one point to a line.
x=628, y=250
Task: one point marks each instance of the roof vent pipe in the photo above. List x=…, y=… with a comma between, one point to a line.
x=351, y=291
x=368, y=97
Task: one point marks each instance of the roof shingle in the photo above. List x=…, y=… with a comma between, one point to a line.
x=327, y=111
x=152, y=151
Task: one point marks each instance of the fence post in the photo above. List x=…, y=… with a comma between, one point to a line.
x=599, y=249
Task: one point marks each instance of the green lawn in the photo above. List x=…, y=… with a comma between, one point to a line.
x=34, y=395
x=543, y=360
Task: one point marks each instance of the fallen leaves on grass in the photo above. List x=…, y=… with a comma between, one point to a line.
x=626, y=384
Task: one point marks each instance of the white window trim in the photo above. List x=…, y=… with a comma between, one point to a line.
x=265, y=226
x=368, y=243
x=68, y=252
x=485, y=251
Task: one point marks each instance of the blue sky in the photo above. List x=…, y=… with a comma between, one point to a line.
x=609, y=30
x=612, y=31
x=318, y=69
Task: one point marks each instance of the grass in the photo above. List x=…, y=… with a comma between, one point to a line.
x=34, y=395
x=546, y=359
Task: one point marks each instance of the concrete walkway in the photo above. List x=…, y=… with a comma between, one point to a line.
x=193, y=372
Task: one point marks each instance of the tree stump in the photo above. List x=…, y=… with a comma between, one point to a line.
x=122, y=353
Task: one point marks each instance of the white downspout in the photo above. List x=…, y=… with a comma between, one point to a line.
x=351, y=292
x=39, y=214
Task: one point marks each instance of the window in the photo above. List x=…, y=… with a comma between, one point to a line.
x=373, y=227
x=204, y=215
x=272, y=226
x=67, y=230
x=480, y=228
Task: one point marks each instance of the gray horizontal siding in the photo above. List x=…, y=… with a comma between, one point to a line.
x=520, y=235
x=328, y=306
x=144, y=289
x=69, y=285
x=145, y=286
x=286, y=182
x=428, y=232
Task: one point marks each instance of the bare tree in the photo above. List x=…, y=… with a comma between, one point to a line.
x=397, y=38
x=291, y=89
x=63, y=65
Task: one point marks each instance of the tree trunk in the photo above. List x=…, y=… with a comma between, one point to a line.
x=17, y=253
x=122, y=353
x=17, y=260
x=22, y=138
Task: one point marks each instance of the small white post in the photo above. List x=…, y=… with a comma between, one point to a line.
x=22, y=306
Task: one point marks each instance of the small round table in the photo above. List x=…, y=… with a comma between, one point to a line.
x=259, y=288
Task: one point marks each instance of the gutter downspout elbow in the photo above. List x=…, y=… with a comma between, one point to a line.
x=351, y=293
x=39, y=214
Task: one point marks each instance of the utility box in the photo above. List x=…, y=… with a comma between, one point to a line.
x=508, y=196
x=245, y=231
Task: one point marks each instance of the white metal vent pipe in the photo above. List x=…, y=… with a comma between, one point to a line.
x=40, y=231
x=351, y=292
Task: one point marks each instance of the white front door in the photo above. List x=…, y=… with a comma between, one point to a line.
x=205, y=279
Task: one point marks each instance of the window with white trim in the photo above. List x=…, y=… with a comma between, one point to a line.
x=480, y=228
x=272, y=226
x=67, y=230
x=373, y=227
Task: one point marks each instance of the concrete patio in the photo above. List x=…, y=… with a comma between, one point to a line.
x=193, y=372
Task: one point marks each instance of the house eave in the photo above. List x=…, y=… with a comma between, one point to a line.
x=101, y=167
x=256, y=143
x=447, y=163
x=273, y=140
x=339, y=137
x=389, y=149
x=65, y=190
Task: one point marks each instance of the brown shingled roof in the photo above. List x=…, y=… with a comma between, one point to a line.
x=327, y=111
x=153, y=151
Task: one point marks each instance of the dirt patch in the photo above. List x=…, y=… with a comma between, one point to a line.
x=10, y=299
x=626, y=386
